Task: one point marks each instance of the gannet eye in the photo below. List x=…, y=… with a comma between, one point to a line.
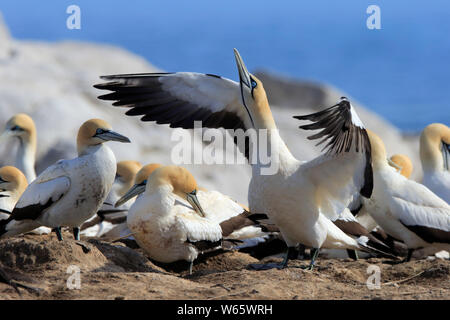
x=99, y=131
x=254, y=84
x=193, y=192
x=15, y=128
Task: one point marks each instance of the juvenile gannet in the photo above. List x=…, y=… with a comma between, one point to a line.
x=435, y=158
x=108, y=216
x=22, y=127
x=70, y=191
x=173, y=220
x=402, y=163
x=405, y=209
x=300, y=197
x=12, y=184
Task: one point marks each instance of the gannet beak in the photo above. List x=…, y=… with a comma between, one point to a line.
x=5, y=135
x=193, y=200
x=135, y=190
x=244, y=75
x=393, y=164
x=109, y=135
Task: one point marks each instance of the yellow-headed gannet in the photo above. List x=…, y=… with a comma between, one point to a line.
x=12, y=184
x=68, y=192
x=22, y=127
x=173, y=220
x=435, y=157
x=405, y=209
x=108, y=215
x=402, y=163
x=301, y=198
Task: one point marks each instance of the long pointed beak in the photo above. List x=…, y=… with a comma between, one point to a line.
x=135, y=190
x=393, y=164
x=244, y=75
x=193, y=200
x=113, y=136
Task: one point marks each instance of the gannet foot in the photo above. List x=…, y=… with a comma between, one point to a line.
x=57, y=230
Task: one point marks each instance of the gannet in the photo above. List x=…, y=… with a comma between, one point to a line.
x=12, y=184
x=173, y=220
x=22, y=127
x=402, y=163
x=405, y=209
x=108, y=215
x=300, y=197
x=70, y=191
x=435, y=158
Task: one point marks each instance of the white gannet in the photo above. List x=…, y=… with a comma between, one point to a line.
x=301, y=198
x=173, y=220
x=404, y=209
x=12, y=184
x=22, y=127
x=108, y=216
x=435, y=158
x=70, y=191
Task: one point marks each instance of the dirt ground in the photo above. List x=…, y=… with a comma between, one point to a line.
x=115, y=271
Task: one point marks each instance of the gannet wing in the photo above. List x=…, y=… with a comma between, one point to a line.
x=48, y=188
x=194, y=229
x=421, y=211
x=344, y=172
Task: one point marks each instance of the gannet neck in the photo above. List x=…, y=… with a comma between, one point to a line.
x=379, y=158
x=431, y=141
x=263, y=118
x=127, y=170
x=26, y=157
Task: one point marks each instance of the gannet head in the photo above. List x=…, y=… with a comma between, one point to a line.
x=140, y=181
x=94, y=132
x=378, y=149
x=21, y=126
x=253, y=95
x=403, y=163
x=126, y=173
x=435, y=147
x=12, y=180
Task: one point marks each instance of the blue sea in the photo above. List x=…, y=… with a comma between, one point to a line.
x=400, y=71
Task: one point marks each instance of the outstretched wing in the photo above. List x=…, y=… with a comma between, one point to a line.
x=344, y=172
x=179, y=99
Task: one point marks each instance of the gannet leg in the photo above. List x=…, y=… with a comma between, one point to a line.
x=408, y=257
x=291, y=251
x=352, y=254
x=314, y=255
x=190, y=267
x=76, y=233
x=58, y=233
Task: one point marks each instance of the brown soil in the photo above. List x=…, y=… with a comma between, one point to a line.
x=114, y=271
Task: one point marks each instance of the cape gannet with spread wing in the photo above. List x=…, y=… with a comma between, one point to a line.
x=173, y=220
x=405, y=209
x=435, y=157
x=109, y=216
x=70, y=191
x=301, y=198
x=12, y=184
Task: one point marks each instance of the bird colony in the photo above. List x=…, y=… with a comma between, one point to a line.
x=354, y=198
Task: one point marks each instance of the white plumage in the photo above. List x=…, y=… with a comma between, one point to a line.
x=70, y=191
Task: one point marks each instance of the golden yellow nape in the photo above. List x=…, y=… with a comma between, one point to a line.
x=404, y=163
x=182, y=181
x=145, y=172
x=127, y=169
x=378, y=149
x=22, y=120
x=431, y=141
x=14, y=176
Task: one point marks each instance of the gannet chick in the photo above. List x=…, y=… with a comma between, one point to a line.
x=70, y=191
x=435, y=158
x=402, y=163
x=174, y=221
x=108, y=216
x=12, y=184
x=301, y=198
x=405, y=209
x=22, y=127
